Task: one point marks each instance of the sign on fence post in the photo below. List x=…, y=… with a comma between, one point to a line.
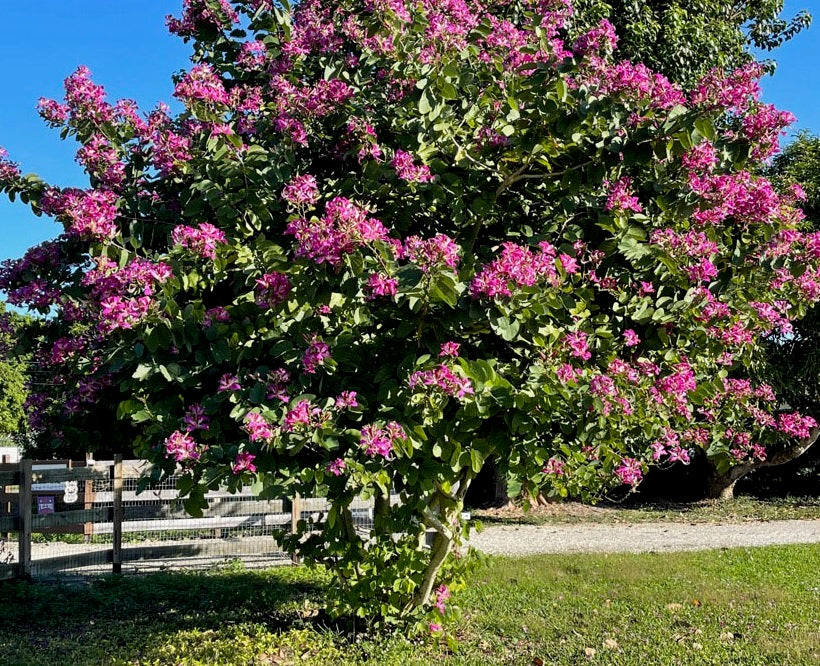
x=24, y=510
x=116, y=555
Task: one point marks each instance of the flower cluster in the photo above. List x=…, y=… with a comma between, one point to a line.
x=244, y=463
x=215, y=314
x=740, y=196
x=102, y=161
x=381, y=284
x=343, y=228
x=442, y=595
x=317, y=352
x=258, y=428
x=272, y=289
x=380, y=441
x=181, y=447
x=577, y=345
x=406, y=169
x=196, y=419
x=554, y=467
x=252, y=55
x=432, y=253
x=304, y=416
x=301, y=191
x=196, y=13
x=733, y=91
x=795, y=425
x=519, y=266
x=337, y=466
x=201, y=240
x=629, y=472
x=669, y=446
x=91, y=214
x=442, y=378
x=619, y=198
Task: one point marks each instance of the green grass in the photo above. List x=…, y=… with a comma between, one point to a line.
x=744, y=606
x=741, y=509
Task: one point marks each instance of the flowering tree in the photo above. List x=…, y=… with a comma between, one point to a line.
x=387, y=240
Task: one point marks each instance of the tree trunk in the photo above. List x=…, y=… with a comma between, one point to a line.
x=446, y=527
x=721, y=486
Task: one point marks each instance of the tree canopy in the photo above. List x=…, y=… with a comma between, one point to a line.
x=385, y=241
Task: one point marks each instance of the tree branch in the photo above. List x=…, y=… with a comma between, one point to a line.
x=792, y=452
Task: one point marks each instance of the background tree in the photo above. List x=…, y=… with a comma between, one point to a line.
x=685, y=39
x=384, y=242
x=12, y=375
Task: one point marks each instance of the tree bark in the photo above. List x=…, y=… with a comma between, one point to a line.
x=381, y=513
x=446, y=536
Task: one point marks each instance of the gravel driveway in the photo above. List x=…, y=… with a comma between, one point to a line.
x=640, y=537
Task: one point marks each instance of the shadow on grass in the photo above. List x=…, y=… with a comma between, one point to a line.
x=280, y=599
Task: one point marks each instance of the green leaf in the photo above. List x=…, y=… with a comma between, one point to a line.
x=143, y=370
x=506, y=328
x=424, y=104
x=447, y=90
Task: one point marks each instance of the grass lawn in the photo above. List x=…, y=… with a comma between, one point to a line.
x=744, y=606
x=741, y=509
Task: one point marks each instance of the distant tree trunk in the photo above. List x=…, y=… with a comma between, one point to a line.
x=489, y=488
x=722, y=486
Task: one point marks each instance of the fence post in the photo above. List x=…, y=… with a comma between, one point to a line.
x=116, y=555
x=5, y=502
x=295, y=515
x=24, y=515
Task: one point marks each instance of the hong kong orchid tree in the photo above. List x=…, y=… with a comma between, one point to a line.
x=386, y=240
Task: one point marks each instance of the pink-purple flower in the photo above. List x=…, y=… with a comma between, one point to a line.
x=258, y=428
x=244, y=463
x=629, y=472
x=272, y=289
x=181, y=447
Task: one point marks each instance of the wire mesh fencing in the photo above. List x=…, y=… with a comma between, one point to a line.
x=90, y=518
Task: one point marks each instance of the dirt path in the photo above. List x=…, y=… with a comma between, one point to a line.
x=640, y=537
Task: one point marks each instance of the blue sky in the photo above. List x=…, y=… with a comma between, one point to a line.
x=127, y=48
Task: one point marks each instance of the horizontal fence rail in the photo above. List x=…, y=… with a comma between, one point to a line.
x=78, y=517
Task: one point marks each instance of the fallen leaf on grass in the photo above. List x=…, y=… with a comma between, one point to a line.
x=590, y=652
x=611, y=644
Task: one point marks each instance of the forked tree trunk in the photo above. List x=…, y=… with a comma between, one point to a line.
x=445, y=538
x=722, y=486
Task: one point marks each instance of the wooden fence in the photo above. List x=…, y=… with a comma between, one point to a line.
x=99, y=499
